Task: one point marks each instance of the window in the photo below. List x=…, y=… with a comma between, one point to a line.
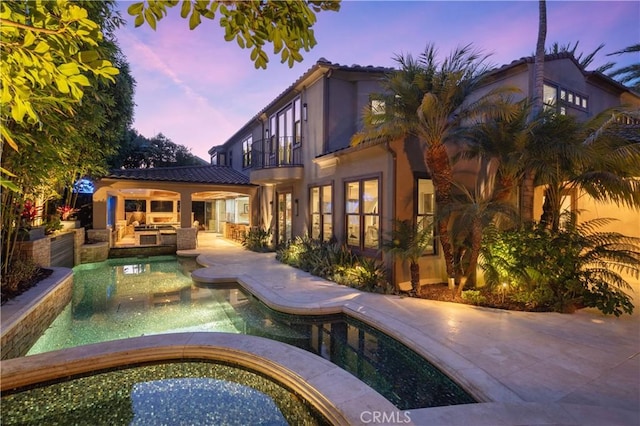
x=362, y=214
x=161, y=206
x=135, y=206
x=378, y=109
x=297, y=126
x=246, y=152
x=273, y=128
x=321, y=208
x=567, y=98
x=286, y=133
x=550, y=95
x=426, y=207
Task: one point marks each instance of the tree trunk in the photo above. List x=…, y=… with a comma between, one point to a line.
x=527, y=187
x=538, y=101
x=414, y=268
x=438, y=163
x=476, y=245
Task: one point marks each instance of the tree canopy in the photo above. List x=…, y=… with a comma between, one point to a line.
x=136, y=151
x=49, y=49
x=284, y=24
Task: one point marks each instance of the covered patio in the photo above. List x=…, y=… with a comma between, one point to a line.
x=170, y=206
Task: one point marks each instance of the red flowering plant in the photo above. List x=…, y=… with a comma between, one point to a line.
x=66, y=212
x=30, y=212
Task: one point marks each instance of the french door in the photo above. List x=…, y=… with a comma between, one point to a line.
x=284, y=217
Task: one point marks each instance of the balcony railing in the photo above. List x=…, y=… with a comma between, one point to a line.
x=276, y=152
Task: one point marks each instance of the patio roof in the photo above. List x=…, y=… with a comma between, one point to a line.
x=190, y=174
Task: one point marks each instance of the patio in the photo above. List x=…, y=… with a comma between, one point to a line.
x=528, y=368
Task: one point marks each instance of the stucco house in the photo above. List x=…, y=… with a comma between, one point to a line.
x=297, y=149
x=291, y=167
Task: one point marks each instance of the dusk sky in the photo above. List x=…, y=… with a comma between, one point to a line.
x=198, y=90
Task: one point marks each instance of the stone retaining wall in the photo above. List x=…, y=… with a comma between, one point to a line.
x=96, y=252
x=27, y=316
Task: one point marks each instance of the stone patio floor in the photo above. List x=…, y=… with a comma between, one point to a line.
x=527, y=368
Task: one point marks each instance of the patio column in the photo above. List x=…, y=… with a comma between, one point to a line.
x=185, y=209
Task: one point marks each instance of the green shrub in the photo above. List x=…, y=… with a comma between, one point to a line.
x=334, y=262
x=257, y=239
x=474, y=297
x=21, y=270
x=575, y=266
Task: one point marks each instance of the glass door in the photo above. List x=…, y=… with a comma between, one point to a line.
x=284, y=217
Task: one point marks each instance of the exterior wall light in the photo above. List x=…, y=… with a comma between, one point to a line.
x=304, y=112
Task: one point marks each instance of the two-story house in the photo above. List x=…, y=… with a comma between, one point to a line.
x=312, y=181
x=297, y=150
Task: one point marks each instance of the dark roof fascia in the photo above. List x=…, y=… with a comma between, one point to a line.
x=321, y=67
x=354, y=148
x=598, y=77
x=157, y=175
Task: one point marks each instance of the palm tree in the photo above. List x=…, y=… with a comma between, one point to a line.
x=408, y=242
x=586, y=156
x=583, y=61
x=431, y=100
x=629, y=75
x=471, y=213
x=501, y=147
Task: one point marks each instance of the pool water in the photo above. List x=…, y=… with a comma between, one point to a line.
x=184, y=393
x=123, y=298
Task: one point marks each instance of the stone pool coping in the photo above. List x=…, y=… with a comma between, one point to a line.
x=528, y=368
x=313, y=378
x=523, y=367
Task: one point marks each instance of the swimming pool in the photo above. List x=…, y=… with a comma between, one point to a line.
x=124, y=298
x=167, y=393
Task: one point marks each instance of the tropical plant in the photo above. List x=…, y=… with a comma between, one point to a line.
x=583, y=60
x=257, y=239
x=432, y=101
x=630, y=74
x=66, y=212
x=569, y=155
x=575, y=266
x=287, y=25
x=52, y=52
x=334, y=262
x=408, y=241
x=474, y=297
x=472, y=213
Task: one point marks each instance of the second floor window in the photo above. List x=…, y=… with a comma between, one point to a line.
x=363, y=214
x=285, y=134
x=246, y=152
x=558, y=99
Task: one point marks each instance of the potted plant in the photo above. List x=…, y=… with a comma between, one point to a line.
x=28, y=231
x=67, y=214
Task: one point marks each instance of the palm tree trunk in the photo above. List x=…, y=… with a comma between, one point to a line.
x=438, y=163
x=538, y=101
x=527, y=187
x=414, y=268
x=476, y=244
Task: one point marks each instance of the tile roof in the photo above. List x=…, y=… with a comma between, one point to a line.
x=194, y=174
x=321, y=63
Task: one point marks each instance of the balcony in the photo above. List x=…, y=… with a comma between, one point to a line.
x=276, y=160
